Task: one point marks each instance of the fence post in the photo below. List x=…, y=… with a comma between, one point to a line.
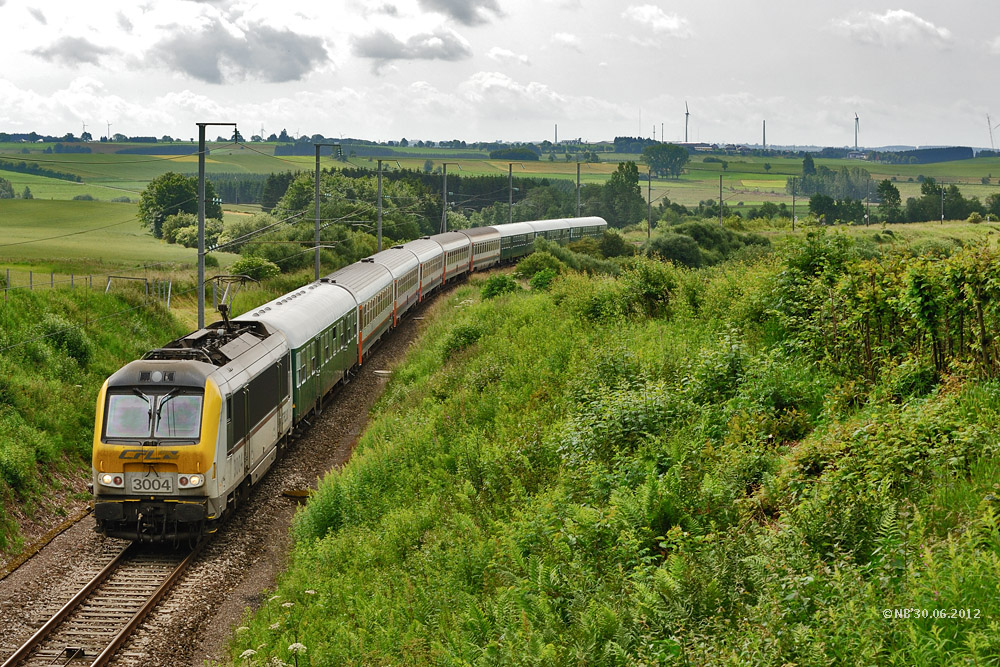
x=31, y=281
x=6, y=287
x=71, y=280
x=52, y=280
x=170, y=285
x=91, y=280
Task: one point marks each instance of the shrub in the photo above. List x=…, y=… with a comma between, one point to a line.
x=613, y=244
x=173, y=224
x=675, y=247
x=498, y=284
x=461, y=337
x=542, y=281
x=122, y=200
x=67, y=337
x=975, y=218
x=83, y=198
x=257, y=268
x=536, y=262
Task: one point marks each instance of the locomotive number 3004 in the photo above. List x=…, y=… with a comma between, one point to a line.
x=146, y=484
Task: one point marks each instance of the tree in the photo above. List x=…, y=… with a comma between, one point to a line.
x=237, y=137
x=823, y=206
x=6, y=189
x=622, y=196
x=767, y=166
x=808, y=167
x=171, y=194
x=86, y=136
x=889, y=200
x=665, y=159
x=284, y=136
x=27, y=193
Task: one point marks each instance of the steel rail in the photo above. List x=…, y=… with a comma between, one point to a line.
x=36, y=639
x=154, y=599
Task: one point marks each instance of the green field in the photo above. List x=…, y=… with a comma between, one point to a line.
x=746, y=182
x=82, y=237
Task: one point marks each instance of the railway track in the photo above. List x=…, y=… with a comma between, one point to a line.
x=97, y=621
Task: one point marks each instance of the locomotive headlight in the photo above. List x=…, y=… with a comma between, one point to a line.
x=112, y=480
x=190, y=481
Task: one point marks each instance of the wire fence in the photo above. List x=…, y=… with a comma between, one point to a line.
x=13, y=281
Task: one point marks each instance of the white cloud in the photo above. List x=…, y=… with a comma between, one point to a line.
x=567, y=40
x=466, y=12
x=507, y=56
x=658, y=20
x=383, y=47
x=221, y=52
x=896, y=27
x=72, y=51
x=994, y=46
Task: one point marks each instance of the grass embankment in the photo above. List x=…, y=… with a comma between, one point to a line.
x=56, y=349
x=743, y=464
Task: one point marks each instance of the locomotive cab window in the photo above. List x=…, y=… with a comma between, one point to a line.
x=134, y=414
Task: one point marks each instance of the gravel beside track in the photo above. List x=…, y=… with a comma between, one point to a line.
x=233, y=571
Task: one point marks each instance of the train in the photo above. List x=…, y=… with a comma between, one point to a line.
x=182, y=434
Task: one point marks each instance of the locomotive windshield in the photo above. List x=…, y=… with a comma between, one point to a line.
x=134, y=414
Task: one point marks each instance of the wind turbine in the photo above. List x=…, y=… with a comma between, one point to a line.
x=991, y=126
x=686, y=114
x=856, y=124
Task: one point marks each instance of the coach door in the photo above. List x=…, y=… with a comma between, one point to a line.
x=243, y=399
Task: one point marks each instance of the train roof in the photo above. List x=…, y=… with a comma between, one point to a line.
x=162, y=372
x=397, y=259
x=514, y=229
x=362, y=279
x=481, y=233
x=423, y=248
x=566, y=223
x=451, y=240
x=302, y=314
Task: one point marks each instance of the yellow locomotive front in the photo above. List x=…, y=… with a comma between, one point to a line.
x=155, y=439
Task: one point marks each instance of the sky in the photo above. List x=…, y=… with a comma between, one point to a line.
x=916, y=73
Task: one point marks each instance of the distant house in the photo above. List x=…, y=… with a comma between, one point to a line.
x=857, y=155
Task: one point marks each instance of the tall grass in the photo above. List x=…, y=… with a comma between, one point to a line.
x=666, y=467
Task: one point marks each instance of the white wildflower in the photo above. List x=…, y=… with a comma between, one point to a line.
x=274, y=626
x=297, y=648
x=310, y=592
x=242, y=628
x=247, y=654
x=287, y=605
x=273, y=598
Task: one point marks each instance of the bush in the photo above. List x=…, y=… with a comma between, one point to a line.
x=542, y=281
x=974, y=218
x=675, y=247
x=461, y=337
x=70, y=338
x=83, y=198
x=122, y=200
x=257, y=268
x=613, y=244
x=498, y=284
x=536, y=262
x=174, y=223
